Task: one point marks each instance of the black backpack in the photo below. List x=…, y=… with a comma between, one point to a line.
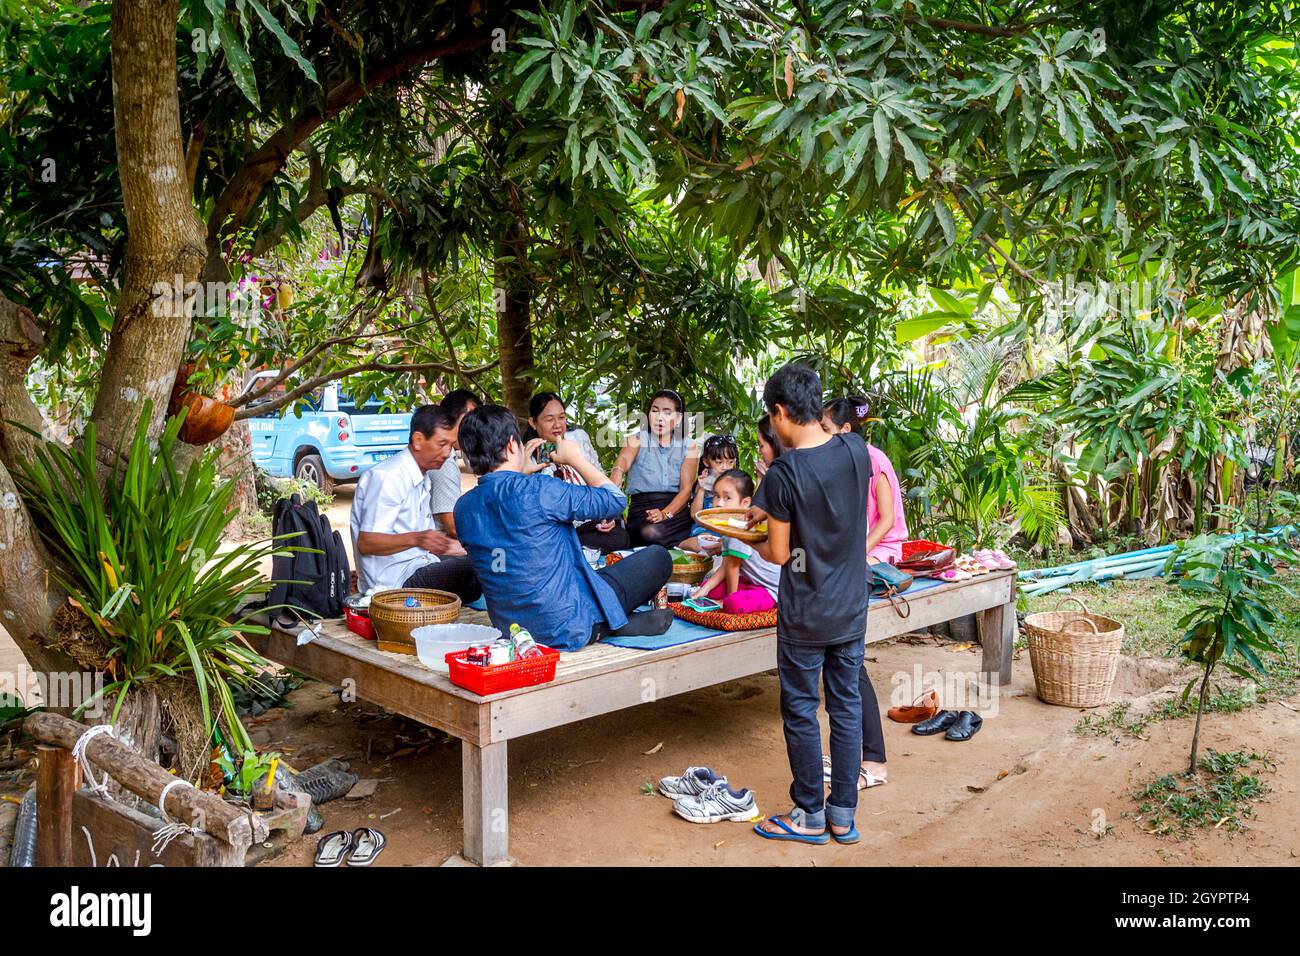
x=310, y=583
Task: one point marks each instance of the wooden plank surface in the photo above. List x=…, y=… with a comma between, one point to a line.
x=609, y=677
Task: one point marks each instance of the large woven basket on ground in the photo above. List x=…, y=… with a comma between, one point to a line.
x=394, y=621
x=1074, y=655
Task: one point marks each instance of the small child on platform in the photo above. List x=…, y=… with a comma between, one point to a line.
x=718, y=457
x=745, y=582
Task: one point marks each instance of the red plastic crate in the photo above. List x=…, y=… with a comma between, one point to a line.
x=359, y=623
x=493, y=679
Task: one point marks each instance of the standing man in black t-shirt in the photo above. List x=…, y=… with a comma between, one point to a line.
x=814, y=499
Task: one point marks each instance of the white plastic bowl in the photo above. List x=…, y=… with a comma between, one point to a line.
x=433, y=642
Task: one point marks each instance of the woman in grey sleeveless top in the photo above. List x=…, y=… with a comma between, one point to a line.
x=660, y=463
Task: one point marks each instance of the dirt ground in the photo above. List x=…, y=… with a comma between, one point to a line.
x=1026, y=790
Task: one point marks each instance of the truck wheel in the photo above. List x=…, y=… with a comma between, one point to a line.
x=311, y=468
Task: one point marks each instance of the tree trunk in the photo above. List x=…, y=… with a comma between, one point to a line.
x=165, y=247
x=514, y=328
x=1200, y=710
x=236, y=463
x=28, y=598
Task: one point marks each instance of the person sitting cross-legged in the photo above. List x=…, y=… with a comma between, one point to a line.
x=518, y=527
x=393, y=524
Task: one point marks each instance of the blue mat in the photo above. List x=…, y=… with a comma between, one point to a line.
x=684, y=632
x=918, y=584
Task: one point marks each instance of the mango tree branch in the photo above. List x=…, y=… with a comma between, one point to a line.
x=311, y=384
x=317, y=195
x=21, y=340
x=232, y=207
x=289, y=368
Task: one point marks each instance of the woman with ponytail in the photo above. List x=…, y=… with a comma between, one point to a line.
x=886, y=532
x=886, y=523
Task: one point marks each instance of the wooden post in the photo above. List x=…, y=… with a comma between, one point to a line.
x=485, y=796
x=57, y=779
x=997, y=629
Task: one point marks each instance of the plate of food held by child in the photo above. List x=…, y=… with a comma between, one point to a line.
x=731, y=523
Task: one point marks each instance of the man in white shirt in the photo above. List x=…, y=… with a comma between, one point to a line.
x=446, y=480
x=393, y=528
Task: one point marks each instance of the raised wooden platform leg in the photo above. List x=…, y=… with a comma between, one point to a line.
x=997, y=630
x=485, y=794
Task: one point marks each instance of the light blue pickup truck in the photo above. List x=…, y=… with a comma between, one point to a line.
x=328, y=440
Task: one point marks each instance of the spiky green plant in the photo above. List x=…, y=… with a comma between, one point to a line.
x=137, y=546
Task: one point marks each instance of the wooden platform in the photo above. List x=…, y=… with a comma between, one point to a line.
x=597, y=680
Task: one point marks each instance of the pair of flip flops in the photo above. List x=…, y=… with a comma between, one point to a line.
x=358, y=848
x=790, y=835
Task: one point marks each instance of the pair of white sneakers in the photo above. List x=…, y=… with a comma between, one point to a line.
x=701, y=796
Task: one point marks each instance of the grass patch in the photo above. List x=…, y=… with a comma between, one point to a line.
x=1283, y=681
x=1220, y=795
x=1113, y=722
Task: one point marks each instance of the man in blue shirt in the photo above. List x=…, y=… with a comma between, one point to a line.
x=518, y=529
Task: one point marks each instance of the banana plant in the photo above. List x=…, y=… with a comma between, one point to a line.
x=1284, y=336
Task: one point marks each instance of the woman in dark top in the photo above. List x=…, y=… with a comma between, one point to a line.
x=769, y=446
x=548, y=420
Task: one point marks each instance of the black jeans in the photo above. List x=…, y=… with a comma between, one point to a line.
x=839, y=667
x=454, y=573
x=637, y=578
x=668, y=533
x=873, y=735
x=615, y=539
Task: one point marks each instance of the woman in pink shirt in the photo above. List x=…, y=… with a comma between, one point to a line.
x=886, y=532
x=886, y=523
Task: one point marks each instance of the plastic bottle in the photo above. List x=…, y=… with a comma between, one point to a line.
x=525, y=646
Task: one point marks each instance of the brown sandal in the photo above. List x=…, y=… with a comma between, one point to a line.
x=917, y=711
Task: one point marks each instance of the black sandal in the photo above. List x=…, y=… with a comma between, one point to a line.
x=966, y=726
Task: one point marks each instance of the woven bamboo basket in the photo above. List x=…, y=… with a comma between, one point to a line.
x=394, y=621
x=693, y=572
x=1074, y=655
x=716, y=520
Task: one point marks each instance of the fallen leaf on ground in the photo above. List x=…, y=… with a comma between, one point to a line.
x=964, y=646
x=974, y=789
x=718, y=844
x=654, y=750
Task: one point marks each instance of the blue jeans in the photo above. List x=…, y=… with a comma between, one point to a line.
x=839, y=666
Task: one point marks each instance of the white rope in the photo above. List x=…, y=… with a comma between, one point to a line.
x=98, y=787
x=171, y=829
